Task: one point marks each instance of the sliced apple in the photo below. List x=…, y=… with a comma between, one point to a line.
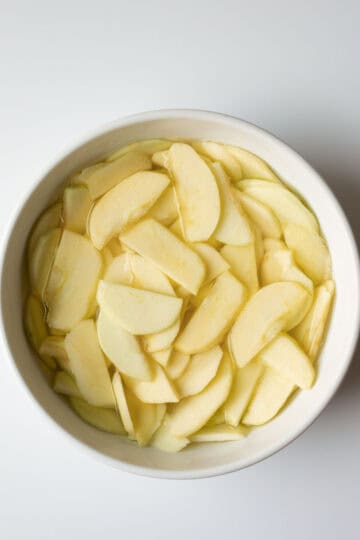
x=202, y=294
x=148, y=146
x=165, y=209
x=261, y=215
x=41, y=260
x=233, y=227
x=76, y=208
x=215, y=263
x=65, y=384
x=99, y=417
x=87, y=364
x=219, y=152
x=197, y=192
x=119, y=270
x=164, y=440
x=122, y=348
x=258, y=243
x=272, y=244
x=219, y=433
x=201, y=369
x=272, y=392
x=310, y=252
x=34, y=322
x=162, y=357
x=276, y=307
x=138, y=311
x=177, y=364
x=244, y=384
x=279, y=265
x=102, y=179
x=193, y=412
x=124, y=204
x=161, y=341
x=218, y=418
x=50, y=219
x=161, y=159
x=155, y=243
x=242, y=260
x=159, y=390
x=122, y=405
x=286, y=206
x=310, y=332
x=148, y=276
x=213, y=318
x=72, y=281
x=54, y=346
x=252, y=166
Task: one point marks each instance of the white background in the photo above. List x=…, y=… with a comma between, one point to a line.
x=289, y=66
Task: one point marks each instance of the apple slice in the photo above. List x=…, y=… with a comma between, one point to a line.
x=177, y=364
x=148, y=276
x=161, y=159
x=244, y=384
x=201, y=369
x=197, y=192
x=311, y=331
x=233, y=227
x=219, y=433
x=310, y=252
x=193, y=412
x=276, y=307
x=164, y=440
x=284, y=355
x=272, y=392
x=122, y=348
x=161, y=341
x=137, y=311
x=34, y=322
x=155, y=243
x=87, y=364
x=215, y=263
x=213, y=318
x=258, y=243
x=252, y=166
x=279, y=265
x=286, y=206
x=50, y=219
x=202, y=294
x=219, y=152
x=41, y=260
x=165, y=209
x=122, y=405
x=119, y=270
x=162, y=357
x=262, y=216
x=65, y=384
x=148, y=146
x=124, y=204
x=99, y=417
x=218, y=418
x=272, y=244
x=101, y=179
x=76, y=208
x=72, y=281
x=54, y=346
x=242, y=260
x=159, y=390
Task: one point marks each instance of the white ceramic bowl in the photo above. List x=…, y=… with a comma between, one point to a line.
x=201, y=460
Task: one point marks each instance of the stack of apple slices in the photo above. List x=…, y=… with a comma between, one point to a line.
x=179, y=292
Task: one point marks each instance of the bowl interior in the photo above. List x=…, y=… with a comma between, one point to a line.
x=206, y=459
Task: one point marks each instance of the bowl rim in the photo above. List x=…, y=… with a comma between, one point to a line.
x=192, y=114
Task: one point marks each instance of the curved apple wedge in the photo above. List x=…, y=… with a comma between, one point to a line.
x=245, y=380
x=42, y=259
x=122, y=348
x=159, y=390
x=215, y=263
x=76, y=208
x=219, y=152
x=99, y=417
x=252, y=166
x=50, y=219
x=164, y=440
x=148, y=146
x=219, y=433
x=165, y=209
x=54, y=346
x=193, y=412
x=242, y=260
x=212, y=319
x=201, y=369
x=196, y=191
x=148, y=276
x=138, y=311
x=177, y=364
x=119, y=270
x=125, y=204
x=279, y=265
x=160, y=341
x=262, y=216
x=65, y=384
x=276, y=307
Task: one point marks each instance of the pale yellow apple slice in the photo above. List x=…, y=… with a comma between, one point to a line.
x=54, y=346
x=42, y=259
x=218, y=433
x=177, y=364
x=87, y=364
x=272, y=244
x=213, y=318
x=201, y=369
x=76, y=208
x=124, y=204
x=202, y=294
x=155, y=243
x=286, y=206
x=233, y=227
x=119, y=270
x=164, y=440
x=197, y=192
x=162, y=357
x=252, y=166
x=161, y=341
x=50, y=219
x=242, y=260
x=215, y=263
x=219, y=152
x=122, y=405
x=161, y=159
x=310, y=332
x=72, y=282
x=159, y=390
x=272, y=392
x=148, y=276
x=261, y=215
x=218, y=418
x=285, y=356
x=176, y=228
x=136, y=310
x=148, y=146
x=65, y=384
x=276, y=307
x=35, y=326
x=310, y=252
x=122, y=348
x=103, y=178
x=99, y=417
x=165, y=209
x=193, y=412
x=279, y=265
x=244, y=384
x=258, y=243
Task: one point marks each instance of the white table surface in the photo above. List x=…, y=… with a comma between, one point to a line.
x=291, y=67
